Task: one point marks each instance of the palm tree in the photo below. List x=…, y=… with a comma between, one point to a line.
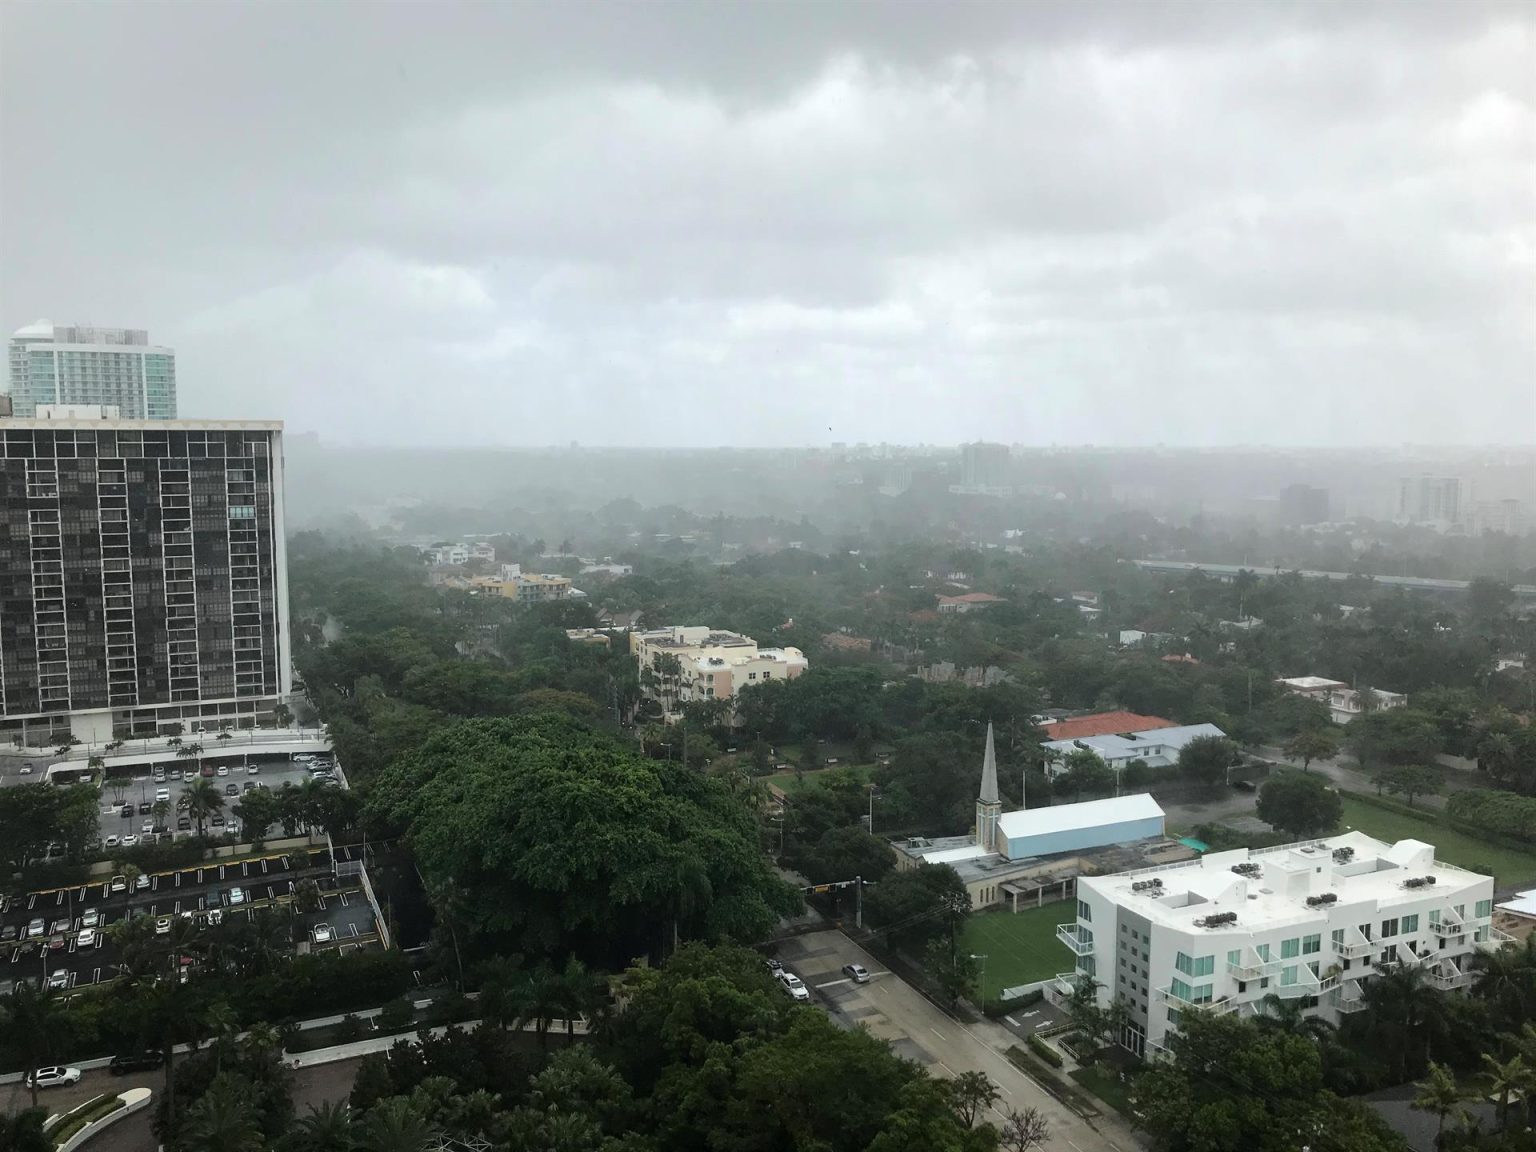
x=222, y=1120
x=394, y=1125
x=1290, y=1016
x=1496, y=755
x=327, y=1128
x=1510, y=1077
x=24, y=1131
x=449, y=903
x=581, y=993
x=1409, y=1014
x=1506, y=978
x=130, y=873
x=200, y=800
x=221, y=1021
x=1440, y=1095
x=162, y=813
x=32, y=1013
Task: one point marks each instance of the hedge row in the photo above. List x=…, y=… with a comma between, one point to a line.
x=992, y=1009
x=1052, y=1083
x=1506, y=814
x=87, y=1113
x=1043, y=1050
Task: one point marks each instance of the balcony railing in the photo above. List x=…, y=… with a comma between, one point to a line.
x=1067, y=934
x=1357, y=948
x=1065, y=984
x=1220, y=1007
x=1253, y=969
x=1448, y=981
x=1495, y=941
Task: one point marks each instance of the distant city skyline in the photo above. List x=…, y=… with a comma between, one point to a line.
x=1126, y=223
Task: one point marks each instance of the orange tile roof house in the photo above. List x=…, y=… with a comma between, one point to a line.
x=1103, y=724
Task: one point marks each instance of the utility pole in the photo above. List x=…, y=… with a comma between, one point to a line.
x=858, y=901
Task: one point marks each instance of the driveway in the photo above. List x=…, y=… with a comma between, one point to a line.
x=917, y=1030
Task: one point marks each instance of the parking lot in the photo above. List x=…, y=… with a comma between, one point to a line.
x=228, y=890
x=127, y=803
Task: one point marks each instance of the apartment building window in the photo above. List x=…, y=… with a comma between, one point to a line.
x=1461, y=911
x=1235, y=957
x=1182, y=990
x=1365, y=930
x=1411, y=923
x=1195, y=965
x=1290, y=948
x=1388, y=928
x=1338, y=939
x=1311, y=945
x=1434, y=917
x=1263, y=951
x=1288, y=976
x=1484, y=908
x=1084, y=912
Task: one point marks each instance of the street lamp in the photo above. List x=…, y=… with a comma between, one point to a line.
x=871, y=809
x=982, y=956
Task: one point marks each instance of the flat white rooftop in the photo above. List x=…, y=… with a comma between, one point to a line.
x=1311, y=683
x=1358, y=870
x=1071, y=817
x=1120, y=745
x=952, y=855
x=119, y=424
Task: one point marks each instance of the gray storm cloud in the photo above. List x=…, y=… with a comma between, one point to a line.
x=732, y=224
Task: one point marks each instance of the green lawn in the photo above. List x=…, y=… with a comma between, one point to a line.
x=1020, y=949
x=1511, y=867
x=1106, y=1085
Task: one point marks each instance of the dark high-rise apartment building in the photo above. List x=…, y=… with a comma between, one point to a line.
x=143, y=575
x=1303, y=504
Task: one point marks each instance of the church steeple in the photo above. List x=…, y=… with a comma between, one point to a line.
x=988, y=807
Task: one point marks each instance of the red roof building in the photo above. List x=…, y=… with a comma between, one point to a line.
x=1103, y=724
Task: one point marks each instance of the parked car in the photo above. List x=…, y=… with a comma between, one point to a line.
x=57, y=941
x=139, y=1062
x=236, y=897
x=249, y=785
x=26, y=769
x=253, y=770
x=118, y=884
x=217, y=821
x=142, y=882
x=207, y=770
x=127, y=811
x=857, y=973
x=163, y=926
x=303, y=757
x=8, y=933
x=61, y=925
x=231, y=789
x=159, y=775
x=774, y=966
x=223, y=770
x=145, y=808
x=215, y=915
x=90, y=919
x=110, y=841
x=51, y=1077
x=129, y=840
x=86, y=939
x=162, y=794
x=36, y=927
x=794, y=986
x=147, y=828
x=59, y=978
x=183, y=823
x=323, y=934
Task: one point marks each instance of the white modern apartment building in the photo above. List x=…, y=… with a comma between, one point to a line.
x=711, y=664
x=143, y=576
x=1315, y=921
x=111, y=367
x=1344, y=703
x=1157, y=747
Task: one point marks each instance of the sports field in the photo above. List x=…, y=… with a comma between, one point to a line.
x=1020, y=949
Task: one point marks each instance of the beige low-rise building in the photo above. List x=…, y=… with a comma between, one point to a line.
x=680, y=665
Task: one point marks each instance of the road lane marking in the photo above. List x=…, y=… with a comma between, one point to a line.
x=946, y=1068
x=937, y=1033
x=1011, y=1020
x=832, y=983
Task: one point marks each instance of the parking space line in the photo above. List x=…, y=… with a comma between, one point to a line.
x=832, y=983
x=937, y=1033
x=95, y=975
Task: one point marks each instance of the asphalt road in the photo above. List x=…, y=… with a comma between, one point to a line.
x=917, y=1030
x=314, y=1085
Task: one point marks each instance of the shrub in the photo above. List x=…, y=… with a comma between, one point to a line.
x=1043, y=1050
x=399, y=1015
x=351, y=1028
x=87, y=1113
x=994, y=1009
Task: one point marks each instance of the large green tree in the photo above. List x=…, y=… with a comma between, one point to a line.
x=564, y=839
x=1299, y=803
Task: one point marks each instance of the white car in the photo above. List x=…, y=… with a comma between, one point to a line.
x=110, y=841
x=142, y=882
x=302, y=757
x=323, y=934
x=215, y=915
x=129, y=840
x=163, y=926
x=59, y=979
x=118, y=884
x=52, y=1077
x=26, y=770
x=86, y=939
x=223, y=771
x=794, y=986
x=236, y=897
x=147, y=828
x=162, y=794
x=91, y=919
x=253, y=770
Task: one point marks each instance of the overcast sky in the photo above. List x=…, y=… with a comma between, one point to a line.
x=713, y=223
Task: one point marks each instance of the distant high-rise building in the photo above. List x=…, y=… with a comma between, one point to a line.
x=984, y=470
x=1303, y=504
x=143, y=575
x=112, y=367
x=1430, y=500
